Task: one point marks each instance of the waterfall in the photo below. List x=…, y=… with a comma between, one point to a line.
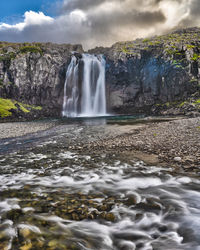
x=85, y=95
x=71, y=94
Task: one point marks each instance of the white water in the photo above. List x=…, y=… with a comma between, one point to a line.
x=89, y=99
x=175, y=217
x=154, y=208
x=71, y=94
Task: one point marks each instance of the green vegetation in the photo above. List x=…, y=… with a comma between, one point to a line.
x=18, y=48
x=190, y=46
x=182, y=104
x=179, y=104
x=6, y=58
x=146, y=40
x=173, y=45
x=195, y=57
x=172, y=52
x=197, y=101
x=32, y=49
x=125, y=50
x=32, y=107
x=7, y=104
x=193, y=80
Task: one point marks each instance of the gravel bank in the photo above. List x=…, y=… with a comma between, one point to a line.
x=176, y=142
x=16, y=129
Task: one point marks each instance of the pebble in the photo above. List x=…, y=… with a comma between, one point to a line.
x=177, y=159
x=15, y=129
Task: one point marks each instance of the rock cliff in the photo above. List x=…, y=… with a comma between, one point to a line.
x=35, y=73
x=144, y=75
x=145, y=72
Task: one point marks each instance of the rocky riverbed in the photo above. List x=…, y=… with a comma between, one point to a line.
x=16, y=129
x=176, y=142
x=82, y=184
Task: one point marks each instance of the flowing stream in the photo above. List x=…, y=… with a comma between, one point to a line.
x=52, y=197
x=85, y=94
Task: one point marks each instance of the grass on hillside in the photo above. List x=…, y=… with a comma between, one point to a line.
x=7, y=104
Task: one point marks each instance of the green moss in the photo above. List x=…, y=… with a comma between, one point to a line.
x=193, y=80
x=195, y=57
x=171, y=51
x=197, y=101
x=178, y=66
x=182, y=104
x=154, y=43
x=32, y=107
x=189, y=46
x=22, y=107
x=150, y=43
x=174, y=62
x=167, y=104
x=146, y=40
x=7, y=104
x=32, y=49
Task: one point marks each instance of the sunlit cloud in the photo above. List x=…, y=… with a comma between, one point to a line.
x=30, y=18
x=103, y=22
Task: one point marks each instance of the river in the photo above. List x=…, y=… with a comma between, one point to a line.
x=52, y=197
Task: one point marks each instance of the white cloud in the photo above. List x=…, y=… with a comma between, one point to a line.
x=78, y=16
x=30, y=18
x=175, y=11
x=103, y=22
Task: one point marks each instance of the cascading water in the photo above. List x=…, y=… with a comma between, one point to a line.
x=89, y=98
x=71, y=94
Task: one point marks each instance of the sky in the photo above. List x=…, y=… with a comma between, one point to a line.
x=93, y=22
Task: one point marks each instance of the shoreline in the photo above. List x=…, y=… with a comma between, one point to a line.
x=19, y=129
x=173, y=142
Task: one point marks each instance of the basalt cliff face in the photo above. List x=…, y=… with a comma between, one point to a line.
x=35, y=73
x=146, y=75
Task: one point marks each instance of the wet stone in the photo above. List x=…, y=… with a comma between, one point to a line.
x=132, y=200
x=24, y=232
x=110, y=217
x=14, y=214
x=148, y=206
x=163, y=228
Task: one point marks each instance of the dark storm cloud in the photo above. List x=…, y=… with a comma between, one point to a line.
x=106, y=23
x=103, y=22
x=80, y=4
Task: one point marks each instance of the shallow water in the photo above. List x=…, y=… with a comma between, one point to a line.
x=54, y=198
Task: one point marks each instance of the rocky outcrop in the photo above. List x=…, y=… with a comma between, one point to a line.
x=153, y=71
x=35, y=73
x=141, y=76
